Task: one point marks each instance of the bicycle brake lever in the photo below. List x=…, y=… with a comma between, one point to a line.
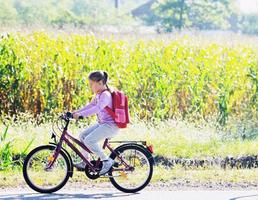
x=69, y=115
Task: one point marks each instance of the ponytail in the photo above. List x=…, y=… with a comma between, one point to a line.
x=105, y=77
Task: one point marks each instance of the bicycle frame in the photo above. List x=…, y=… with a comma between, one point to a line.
x=66, y=137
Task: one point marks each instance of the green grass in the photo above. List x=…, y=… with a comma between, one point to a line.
x=169, y=139
x=13, y=178
x=204, y=175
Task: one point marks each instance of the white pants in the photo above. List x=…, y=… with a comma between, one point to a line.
x=95, y=133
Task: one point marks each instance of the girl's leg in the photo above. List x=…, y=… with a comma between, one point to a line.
x=100, y=133
x=82, y=135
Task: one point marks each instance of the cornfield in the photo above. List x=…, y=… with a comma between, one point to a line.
x=41, y=73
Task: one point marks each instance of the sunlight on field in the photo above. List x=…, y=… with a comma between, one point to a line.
x=169, y=139
x=161, y=174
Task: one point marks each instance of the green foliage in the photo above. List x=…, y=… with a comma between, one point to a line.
x=179, y=79
x=173, y=14
x=11, y=77
x=8, y=14
x=65, y=12
x=8, y=142
x=202, y=14
x=212, y=14
x=249, y=24
x=5, y=150
x=169, y=138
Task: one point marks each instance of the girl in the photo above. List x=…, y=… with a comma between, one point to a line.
x=105, y=127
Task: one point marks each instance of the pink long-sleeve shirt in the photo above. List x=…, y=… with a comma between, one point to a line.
x=97, y=106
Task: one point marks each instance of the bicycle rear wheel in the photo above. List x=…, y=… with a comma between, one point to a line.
x=131, y=181
x=36, y=174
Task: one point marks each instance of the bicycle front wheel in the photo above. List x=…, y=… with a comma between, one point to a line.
x=135, y=177
x=38, y=176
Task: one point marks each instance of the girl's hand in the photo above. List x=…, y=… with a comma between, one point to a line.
x=76, y=116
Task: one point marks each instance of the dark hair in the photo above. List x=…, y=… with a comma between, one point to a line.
x=99, y=76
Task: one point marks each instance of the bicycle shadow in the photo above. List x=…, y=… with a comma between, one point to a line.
x=245, y=197
x=56, y=196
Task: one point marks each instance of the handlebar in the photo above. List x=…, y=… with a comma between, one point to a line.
x=67, y=116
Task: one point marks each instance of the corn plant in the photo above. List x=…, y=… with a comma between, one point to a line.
x=40, y=73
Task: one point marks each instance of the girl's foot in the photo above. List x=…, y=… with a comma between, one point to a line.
x=107, y=164
x=80, y=166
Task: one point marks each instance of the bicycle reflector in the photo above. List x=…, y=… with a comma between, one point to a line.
x=50, y=158
x=150, y=148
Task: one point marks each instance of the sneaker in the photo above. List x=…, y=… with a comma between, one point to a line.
x=80, y=166
x=107, y=164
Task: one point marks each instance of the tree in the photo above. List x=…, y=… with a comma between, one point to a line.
x=249, y=23
x=201, y=14
x=172, y=14
x=210, y=14
x=8, y=14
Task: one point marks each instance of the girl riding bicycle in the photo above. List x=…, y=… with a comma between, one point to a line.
x=105, y=126
x=47, y=168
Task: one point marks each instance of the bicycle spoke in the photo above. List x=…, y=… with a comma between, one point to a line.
x=132, y=179
x=43, y=177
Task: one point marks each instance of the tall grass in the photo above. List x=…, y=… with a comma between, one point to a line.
x=182, y=78
x=172, y=138
x=9, y=158
x=5, y=150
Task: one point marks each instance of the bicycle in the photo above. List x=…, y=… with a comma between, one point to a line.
x=47, y=168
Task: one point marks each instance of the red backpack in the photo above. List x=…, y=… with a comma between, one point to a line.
x=120, y=111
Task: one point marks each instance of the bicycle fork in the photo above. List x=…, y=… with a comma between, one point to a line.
x=52, y=158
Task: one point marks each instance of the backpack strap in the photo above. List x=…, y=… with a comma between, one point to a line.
x=103, y=91
x=110, y=111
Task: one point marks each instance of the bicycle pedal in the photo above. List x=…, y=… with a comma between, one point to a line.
x=116, y=164
x=106, y=176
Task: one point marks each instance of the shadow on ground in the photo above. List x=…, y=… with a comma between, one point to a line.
x=56, y=196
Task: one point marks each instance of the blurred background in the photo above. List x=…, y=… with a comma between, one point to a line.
x=153, y=16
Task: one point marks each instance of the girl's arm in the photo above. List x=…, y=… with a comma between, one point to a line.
x=104, y=100
x=89, y=105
